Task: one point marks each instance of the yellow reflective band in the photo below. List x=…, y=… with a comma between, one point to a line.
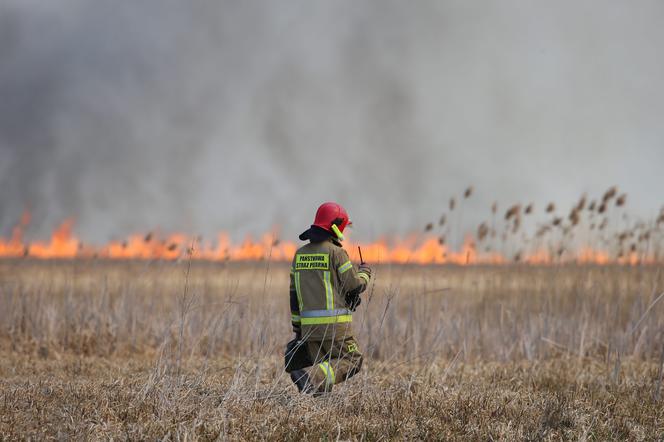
x=295, y=318
x=298, y=291
x=319, y=313
x=330, y=378
x=327, y=320
x=364, y=276
x=333, y=378
x=312, y=261
x=329, y=295
x=343, y=268
x=337, y=232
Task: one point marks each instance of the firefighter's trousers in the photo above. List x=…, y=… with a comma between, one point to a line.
x=334, y=361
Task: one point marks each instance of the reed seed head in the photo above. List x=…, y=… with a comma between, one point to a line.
x=610, y=193
x=512, y=211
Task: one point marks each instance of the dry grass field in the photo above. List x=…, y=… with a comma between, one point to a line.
x=159, y=350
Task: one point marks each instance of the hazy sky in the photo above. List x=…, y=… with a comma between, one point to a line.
x=241, y=115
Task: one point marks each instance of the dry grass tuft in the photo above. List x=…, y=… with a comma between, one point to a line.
x=100, y=398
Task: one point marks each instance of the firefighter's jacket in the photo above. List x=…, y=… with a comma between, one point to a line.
x=321, y=278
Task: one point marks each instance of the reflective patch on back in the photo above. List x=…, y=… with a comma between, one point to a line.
x=312, y=261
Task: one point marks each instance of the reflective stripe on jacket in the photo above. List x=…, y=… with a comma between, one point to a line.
x=321, y=277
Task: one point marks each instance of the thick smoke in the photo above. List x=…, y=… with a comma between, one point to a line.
x=242, y=115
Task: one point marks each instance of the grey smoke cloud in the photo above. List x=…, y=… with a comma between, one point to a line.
x=242, y=115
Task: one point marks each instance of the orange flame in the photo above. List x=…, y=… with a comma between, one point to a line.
x=63, y=244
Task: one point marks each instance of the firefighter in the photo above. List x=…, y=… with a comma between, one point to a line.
x=325, y=290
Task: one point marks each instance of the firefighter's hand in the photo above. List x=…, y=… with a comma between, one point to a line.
x=352, y=301
x=363, y=268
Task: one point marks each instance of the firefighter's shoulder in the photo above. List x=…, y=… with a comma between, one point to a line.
x=337, y=252
x=302, y=248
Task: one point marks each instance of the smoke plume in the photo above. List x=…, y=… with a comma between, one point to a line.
x=243, y=115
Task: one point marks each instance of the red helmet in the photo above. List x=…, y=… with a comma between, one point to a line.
x=332, y=214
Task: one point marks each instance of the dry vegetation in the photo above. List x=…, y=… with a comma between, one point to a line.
x=595, y=229
x=93, y=349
